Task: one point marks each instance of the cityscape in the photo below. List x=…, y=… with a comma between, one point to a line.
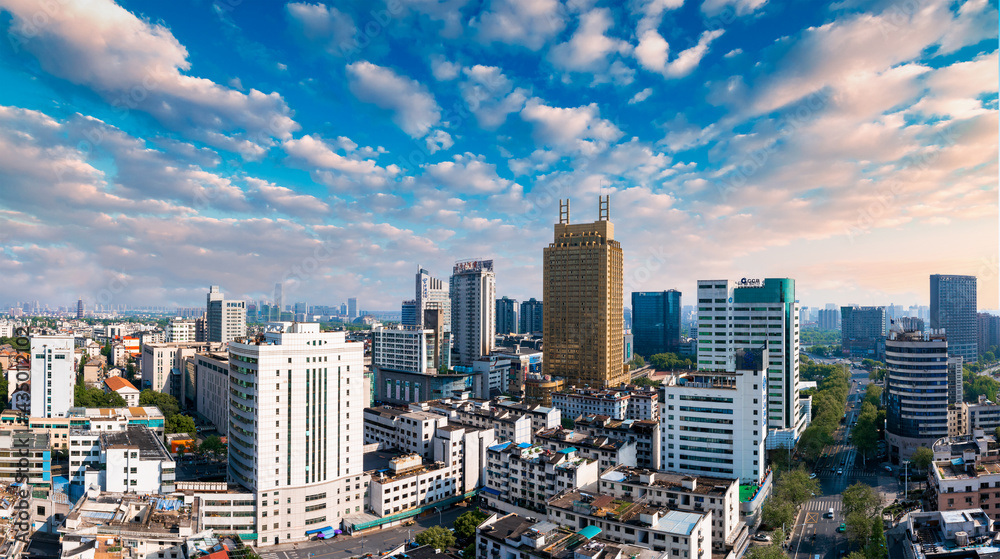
x=499, y=280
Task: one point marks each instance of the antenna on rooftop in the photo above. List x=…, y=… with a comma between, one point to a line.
x=603, y=207
x=564, y=211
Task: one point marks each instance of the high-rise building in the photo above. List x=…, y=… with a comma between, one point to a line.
x=656, y=322
x=531, y=317
x=53, y=375
x=432, y=293
x=740, y=315
x=916, y=392
x=507, y=322
x=408, y=313
x=583, y=278
x=988, y=330
x=227, y=319
x=352, y=307
x=79, y=309
x=300, y=308
x=861, y=328
x=296, y=431
x=827, y=319
x=473, y=309
x=953, y=308
x=279, y=299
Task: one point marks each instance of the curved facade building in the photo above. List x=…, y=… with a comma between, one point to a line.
x=916, y=392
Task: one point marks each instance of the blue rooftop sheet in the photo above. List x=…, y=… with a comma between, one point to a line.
x=589, y=532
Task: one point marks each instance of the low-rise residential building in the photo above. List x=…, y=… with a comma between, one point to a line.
x=129, y=460
x=124, y=389
x=965, y=474
x=409, y=483
x=575, y=402
x=685, y=493
x=681, y=534
x=129, y=525
x=523, y=477
x=508, y=424
x=13, y=446
x=514, y=536
x=608, y=452
x=407, y=431
x=645, y=434
x=966, y=533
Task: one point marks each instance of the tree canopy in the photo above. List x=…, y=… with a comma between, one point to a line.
x=922, y=457
x=669, y=362
x=438, y=537
x=167, y=403
x=84, y=397
x=467, y=522
x=179, y=423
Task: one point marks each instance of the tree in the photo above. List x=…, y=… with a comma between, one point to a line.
x=84, y=397
x=166, y=402
x=178, y=423
x=106, y=350
x=470, y=551
x=922, y=457
x=467, y=522
x=865, y=433
x=873, y=395
x=795, y=487
x=437, y=537
x=777, y=513
x=859, y=528
x=214, y=446
x=636, y=362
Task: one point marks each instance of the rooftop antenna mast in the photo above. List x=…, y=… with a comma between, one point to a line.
x=603, y=207
x=564, y=211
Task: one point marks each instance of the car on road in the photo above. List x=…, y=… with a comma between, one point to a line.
x=840, y=471
x=842, y=528
x=812, y=475
x=759, y=537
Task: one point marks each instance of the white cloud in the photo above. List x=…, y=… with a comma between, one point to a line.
x=737, y=7
x=653, y=53
x=652, y=13
x=287, y=200
x=326, y=26
x=588, y=49
x=313, y=152
x=438, y=140
x=490, y=95
x=641, y=96
x=529, y=23
x=135, y=64
x=733, y=53
x=442, y=69
x=467, y=173
x=413, y=108
x=576, y=129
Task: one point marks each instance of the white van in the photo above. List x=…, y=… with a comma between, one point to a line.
x=829, y=513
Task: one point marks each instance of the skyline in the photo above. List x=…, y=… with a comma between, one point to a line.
x=149, y=151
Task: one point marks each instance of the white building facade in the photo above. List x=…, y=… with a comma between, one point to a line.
x=296, y=432
x=473, y=310
x=53, y=375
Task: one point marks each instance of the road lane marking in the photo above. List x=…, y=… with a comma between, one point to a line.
x=812, y=517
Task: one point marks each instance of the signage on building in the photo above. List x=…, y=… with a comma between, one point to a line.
x=749, y=282
x=21, y=399
x=473, y=266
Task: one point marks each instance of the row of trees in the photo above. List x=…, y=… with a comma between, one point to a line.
x=828, y=404
x=863, y=516
x=465, y=532
x=868, y=431
x=791, y=489
x=670, y=362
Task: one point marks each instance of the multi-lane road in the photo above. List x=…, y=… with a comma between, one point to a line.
x=815, y=533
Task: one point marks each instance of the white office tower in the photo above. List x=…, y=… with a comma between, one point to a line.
x=715, y=423
x=296, y=428
x=473, y=310
x=53, y=375
x=227, y=319
x=432, y=294
x=740, y=315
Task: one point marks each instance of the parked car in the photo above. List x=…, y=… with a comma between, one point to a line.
x=759, y=537
x=812, y=475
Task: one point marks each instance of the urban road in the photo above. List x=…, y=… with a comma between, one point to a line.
x=355, y=546
x=815, y=533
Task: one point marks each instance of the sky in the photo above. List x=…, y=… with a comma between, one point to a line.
x=151, y=149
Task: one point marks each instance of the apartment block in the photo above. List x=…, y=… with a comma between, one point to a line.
x=686, y=494
x=607, y=451
x=635, y=522
x=130, y=460
x=645, y=434
x=53, y=375
x=513, y=536
x=523, y=477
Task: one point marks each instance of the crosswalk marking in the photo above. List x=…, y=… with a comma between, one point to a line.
x=823, y=505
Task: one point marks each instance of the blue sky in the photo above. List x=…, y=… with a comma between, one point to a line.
x=150, y=149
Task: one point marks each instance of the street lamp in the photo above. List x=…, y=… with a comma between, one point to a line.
x=906, y=479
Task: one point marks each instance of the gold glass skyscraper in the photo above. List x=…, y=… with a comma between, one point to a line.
x=582, y=289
